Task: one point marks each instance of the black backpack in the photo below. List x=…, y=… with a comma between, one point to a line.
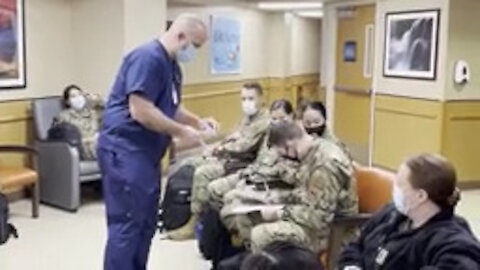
x=214, y=239
x=175, y=209
x=66, y=132
x=6, y=229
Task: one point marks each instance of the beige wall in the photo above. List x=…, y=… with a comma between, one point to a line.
x=463, y=44
x=49, y=49
x=105, y=30
x=278, y=42
x=406, y=87
x=254, y=27
x=144, y=20
x=82, y=42
x=272, y=45
x=98, y=42
x=305, y=46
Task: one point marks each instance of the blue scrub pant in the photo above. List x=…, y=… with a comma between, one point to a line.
x=131, y=184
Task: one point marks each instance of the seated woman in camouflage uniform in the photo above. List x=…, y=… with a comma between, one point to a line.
x=82, y=110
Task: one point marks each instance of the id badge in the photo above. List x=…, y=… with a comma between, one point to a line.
x=174, y=94
x=381, y=256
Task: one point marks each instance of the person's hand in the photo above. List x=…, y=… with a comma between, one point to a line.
x=209, y=124
x=271, y=214
x=191, y=135
x=208, y=134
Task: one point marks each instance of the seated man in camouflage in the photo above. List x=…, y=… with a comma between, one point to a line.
x=268, y=171
x=325, y=188
x=82, y=110
x=235, y=152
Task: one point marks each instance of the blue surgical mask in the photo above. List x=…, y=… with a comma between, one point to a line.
x=186, y=54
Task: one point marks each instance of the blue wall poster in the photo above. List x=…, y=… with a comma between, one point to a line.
x=225, y=47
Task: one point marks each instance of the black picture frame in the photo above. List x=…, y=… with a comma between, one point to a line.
x=13, y=55
x=350, y=51
x=411, y=55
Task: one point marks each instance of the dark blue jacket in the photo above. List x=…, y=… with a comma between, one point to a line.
x=444, y=242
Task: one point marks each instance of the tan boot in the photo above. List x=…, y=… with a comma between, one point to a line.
x=185, y=232
x=236, y=240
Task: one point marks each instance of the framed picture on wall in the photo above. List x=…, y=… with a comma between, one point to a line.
x=12, y=44
x=411, y=44
x=225, y=52
x=350, y=51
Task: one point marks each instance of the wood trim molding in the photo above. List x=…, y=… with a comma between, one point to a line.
x=353, y=90
x=464, y=118
x=407, y=97
x=211, y=94
x=11, y=119
x=462, y=100
x=420, y=115
x=468, y=185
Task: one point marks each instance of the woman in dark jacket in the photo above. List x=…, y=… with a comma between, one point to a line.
x=419, y=230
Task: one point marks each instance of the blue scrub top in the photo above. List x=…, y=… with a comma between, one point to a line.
x=150, y=72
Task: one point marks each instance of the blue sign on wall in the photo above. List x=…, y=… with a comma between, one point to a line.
x=225, y=47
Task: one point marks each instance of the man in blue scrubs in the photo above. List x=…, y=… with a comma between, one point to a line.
x=142, y=114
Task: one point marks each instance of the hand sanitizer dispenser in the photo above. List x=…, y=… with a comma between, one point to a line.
x=462, y=72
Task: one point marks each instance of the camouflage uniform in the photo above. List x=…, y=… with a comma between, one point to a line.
x=87, y=121
x=326, y=188
x=230, y=155
x=267, y=170
x=329, y=136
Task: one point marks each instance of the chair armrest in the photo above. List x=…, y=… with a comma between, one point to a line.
x=22, y=149
x=59, y=174
x=356, y=220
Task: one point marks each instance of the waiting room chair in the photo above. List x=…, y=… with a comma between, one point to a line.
x=61, y=170
x=374, y=188
x=15, y=177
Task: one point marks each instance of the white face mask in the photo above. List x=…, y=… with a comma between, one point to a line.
x=186, y=54
x=249, y=108
x=78, y=102
x=399, y=200
x=403, y=206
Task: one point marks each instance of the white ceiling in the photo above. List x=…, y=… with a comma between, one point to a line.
x=231, y=2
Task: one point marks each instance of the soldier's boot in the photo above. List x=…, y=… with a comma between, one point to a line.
x=236, y=240
x=185, y=232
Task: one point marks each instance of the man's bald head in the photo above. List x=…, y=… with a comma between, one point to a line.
x=191, y=28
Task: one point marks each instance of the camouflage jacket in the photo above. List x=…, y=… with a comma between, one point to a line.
x=327, y=189
x=270, y=167
x=329, y=136
x=87, y=121
x=245, y=142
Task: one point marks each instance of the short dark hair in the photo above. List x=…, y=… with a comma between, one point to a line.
x=437, y=176
x=283, y=104
x=282, y=256
x=255, y=86
x=66, y=93
x=282, y=132
x=317, y=106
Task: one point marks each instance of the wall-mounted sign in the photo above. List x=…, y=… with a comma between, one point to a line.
x=350, y=51
x=225, y=47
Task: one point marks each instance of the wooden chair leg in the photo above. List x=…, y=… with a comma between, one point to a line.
x=35, y=200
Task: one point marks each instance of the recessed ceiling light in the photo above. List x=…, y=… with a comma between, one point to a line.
x=311, y=14
x=289, y=5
